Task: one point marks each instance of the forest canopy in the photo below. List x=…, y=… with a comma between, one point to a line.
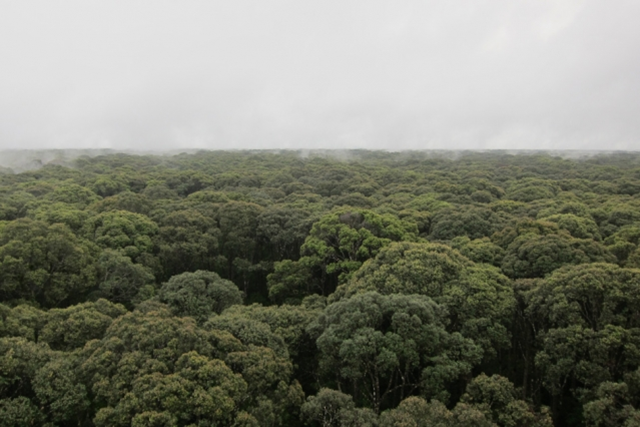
x=359, y=288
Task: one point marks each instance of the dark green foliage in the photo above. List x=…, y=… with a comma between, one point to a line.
x=44, y=264
x=472, y=222
x=379, y=290
x=199, y=294
x=376, y=344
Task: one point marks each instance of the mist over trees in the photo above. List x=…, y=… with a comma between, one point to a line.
x=356, y=288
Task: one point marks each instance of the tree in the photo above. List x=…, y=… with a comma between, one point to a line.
x=578, y=227
x=44, y=264
x=21, y=321
x=59, y=392
x=128, y=232
x=150, y=365
x=473, y=222
x=187, y=241
x=238, y=222
x=122, y=281
x=479, y=250
x=479, y=300
x=283, y=230
x=199, y=294
x=496, y=397
x=336, y=247
x=587, y=318
x=331, y=408
x=612, y=407
x=533, y=255
x=416, y=412
x=72, y=327
x=382, y=347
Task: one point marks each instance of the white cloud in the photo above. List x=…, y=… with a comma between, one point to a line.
x=336, y=74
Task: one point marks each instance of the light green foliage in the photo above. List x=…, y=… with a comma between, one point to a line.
x=336, y=246
x=199, y=294
x=151, y=361
x=62, y=213
x=152, y=364
x=409, y=268
x=108, y=186
x=125, y=201
x=617, y=216
x=73, y=194
x=341, y=241
x=15, y=205
x=623, y=243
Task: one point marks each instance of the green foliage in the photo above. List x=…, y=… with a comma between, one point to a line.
x=496, y=397
x=19, y=412
x=331, y=408
x=479, y=300
x=532, y=280
x=187, y=241
x=120, y=279
x=21, y=321
x=479, y=250
x=591, y=333
x=128, y=232
x=473, y=222
x=199, y=294
x=417, y=412
x=532, y=255
x=376, y=344
x=342, y=240
x=72, y=327
x=530, y=189
x=48, y=265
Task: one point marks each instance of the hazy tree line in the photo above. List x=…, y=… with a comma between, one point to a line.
x=270, y=289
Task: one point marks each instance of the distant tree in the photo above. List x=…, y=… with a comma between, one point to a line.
x=533, y=255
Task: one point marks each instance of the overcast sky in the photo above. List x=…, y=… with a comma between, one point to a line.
x=393, y=74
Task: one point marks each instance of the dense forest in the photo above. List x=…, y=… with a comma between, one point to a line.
x=357, y=288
